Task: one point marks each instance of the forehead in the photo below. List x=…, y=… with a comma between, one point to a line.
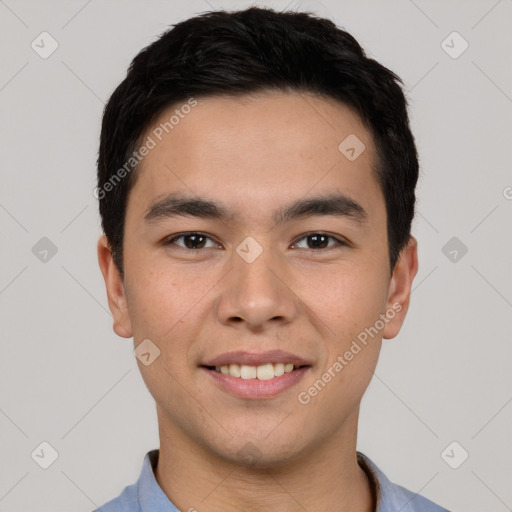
x=263, y=148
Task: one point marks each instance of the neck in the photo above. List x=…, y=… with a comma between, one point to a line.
x=327, y=478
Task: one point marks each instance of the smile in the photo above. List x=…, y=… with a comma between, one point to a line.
x=255, y=375
x=248, y=383
x=262, y=372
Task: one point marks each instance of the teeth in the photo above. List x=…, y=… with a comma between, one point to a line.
x=248, y=372
x=264, y=372
x=234, y=370
x=278, y=369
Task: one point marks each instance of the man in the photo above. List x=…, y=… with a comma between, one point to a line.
x=256, y=181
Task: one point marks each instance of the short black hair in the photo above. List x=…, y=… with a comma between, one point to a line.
x=249, y=51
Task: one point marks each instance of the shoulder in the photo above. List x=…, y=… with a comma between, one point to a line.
x=392, y=497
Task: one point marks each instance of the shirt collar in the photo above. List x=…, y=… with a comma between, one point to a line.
x=149, y=493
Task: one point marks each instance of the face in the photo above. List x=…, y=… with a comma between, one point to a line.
x=238, y=286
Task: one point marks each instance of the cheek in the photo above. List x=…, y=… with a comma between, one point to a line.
x=162, y=300
x=347, y=298
x=151, y=306
x=349, y=301
x=164, y=310
x=168, y=306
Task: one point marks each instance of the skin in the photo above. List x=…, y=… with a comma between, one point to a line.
x=255, y=154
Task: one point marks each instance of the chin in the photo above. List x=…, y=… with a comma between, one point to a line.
x=260, y=454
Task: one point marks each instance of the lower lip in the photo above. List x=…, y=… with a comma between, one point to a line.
x=254, y=388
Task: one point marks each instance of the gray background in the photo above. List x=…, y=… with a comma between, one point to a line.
x=67, y=379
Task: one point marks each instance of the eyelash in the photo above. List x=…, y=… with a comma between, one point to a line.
x=174, y=238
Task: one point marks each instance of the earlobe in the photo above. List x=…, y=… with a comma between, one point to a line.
x=115, y=290
x=400, y=287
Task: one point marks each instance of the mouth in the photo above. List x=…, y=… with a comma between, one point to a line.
x=265, y=371
x=256, y=376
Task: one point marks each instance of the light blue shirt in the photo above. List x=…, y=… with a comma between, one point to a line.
x=146, y=495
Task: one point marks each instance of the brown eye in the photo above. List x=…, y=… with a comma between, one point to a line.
x=319, y=241
x=191, y=241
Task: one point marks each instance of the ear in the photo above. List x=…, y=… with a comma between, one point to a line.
x=115, y=290
x=400, y=285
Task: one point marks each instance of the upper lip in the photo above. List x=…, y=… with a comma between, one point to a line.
x=256, y=359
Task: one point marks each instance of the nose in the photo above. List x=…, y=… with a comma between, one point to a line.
x=258, y=293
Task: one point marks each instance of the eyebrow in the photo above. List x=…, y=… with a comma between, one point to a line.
x=339, y=205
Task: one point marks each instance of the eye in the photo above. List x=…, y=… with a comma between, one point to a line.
x=192, y=241
x=196, y=240
x=320, y=241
